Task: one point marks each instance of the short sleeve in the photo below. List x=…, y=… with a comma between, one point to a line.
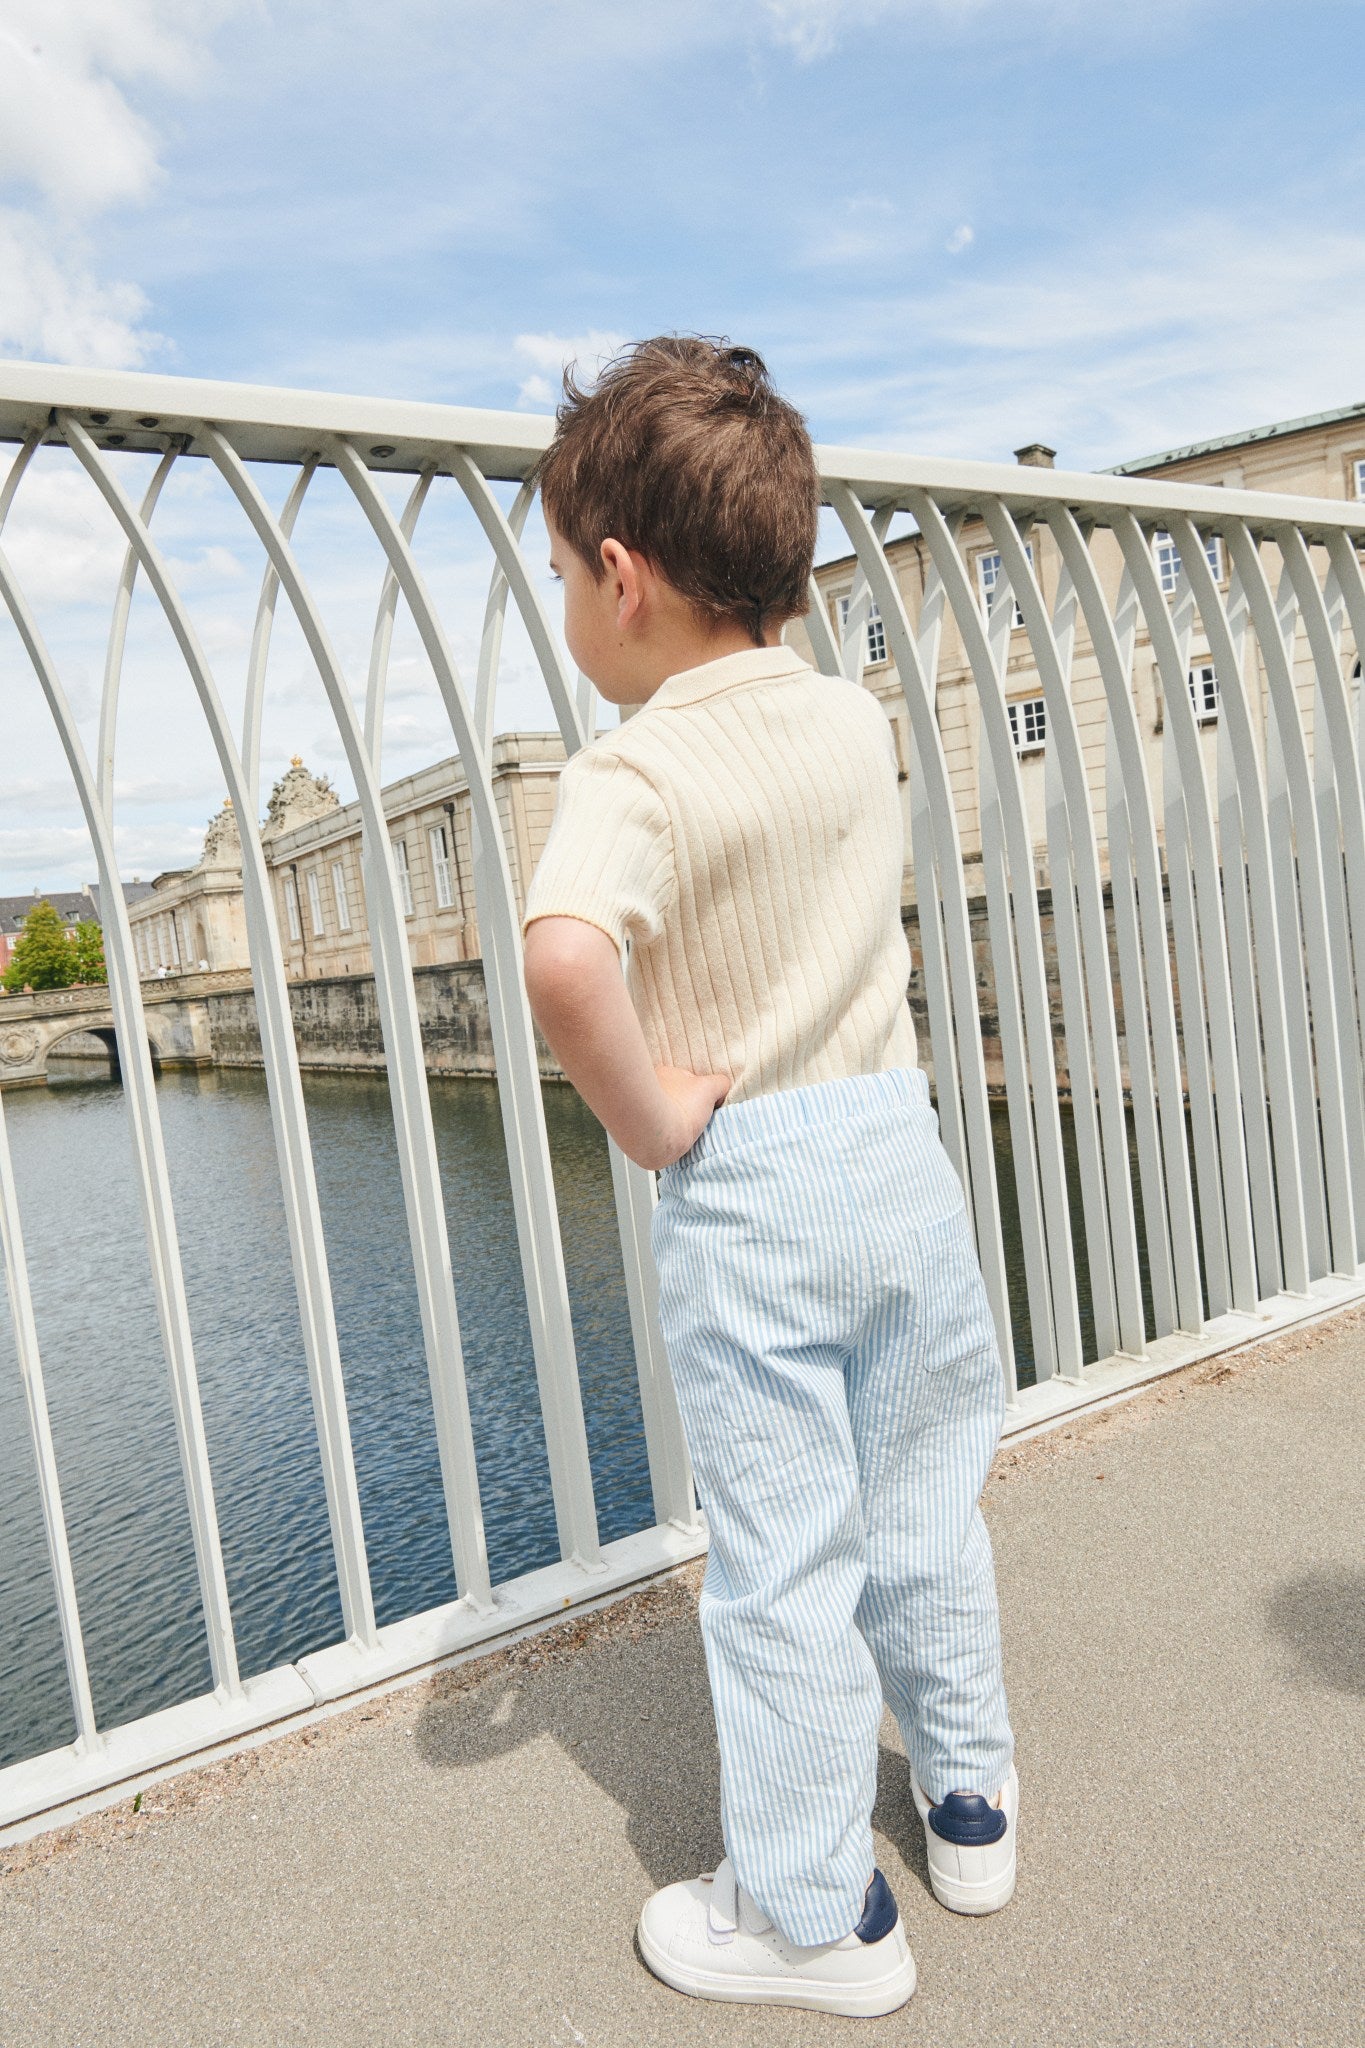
x=608, y=857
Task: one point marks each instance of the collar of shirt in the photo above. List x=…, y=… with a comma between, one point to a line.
x=749, y=665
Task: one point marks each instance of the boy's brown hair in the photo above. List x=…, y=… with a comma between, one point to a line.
x=684, y=452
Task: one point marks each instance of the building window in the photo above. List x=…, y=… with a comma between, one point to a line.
x=988, y=576
x=400, y=855
x=1204, y=690
x=876, y=630
x=315, y=902
x=291, y=905
x=343, y=902
x=1028, y=724
x=440, y=866
x=1168, y=560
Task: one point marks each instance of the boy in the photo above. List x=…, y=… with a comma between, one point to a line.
x=821, y=1302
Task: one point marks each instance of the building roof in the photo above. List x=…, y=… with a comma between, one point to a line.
x=133, y=892
x=71, y=905
x=1241, y=440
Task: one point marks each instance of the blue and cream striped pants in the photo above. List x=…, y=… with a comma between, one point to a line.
x=837, y=1369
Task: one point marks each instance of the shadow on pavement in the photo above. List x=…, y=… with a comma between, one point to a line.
x=636, y=1718
x=1320, y=1615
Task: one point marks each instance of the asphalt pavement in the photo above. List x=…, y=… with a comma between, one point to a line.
x=1183, y=1594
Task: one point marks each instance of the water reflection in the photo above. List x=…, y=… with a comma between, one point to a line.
x=108, y=1392
x=107, y=1382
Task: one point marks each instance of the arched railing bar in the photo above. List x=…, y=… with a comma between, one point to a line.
x=524, y=1113
x=280, y=1059
x=633, y=1188
x=381, y=643
x=942, y=873
x=507, y=551
x=1278, y=829
x=1192, y=862
x=27, y=1351
x=15, y=474
x=1084, y=966
x=135, y=1061
x=1184, y=942
x=1276, y=629
x=1293, y=920
x=118, y=634
x=1341, y=811
x=408, y=1092
x=585, y=703
x=1005, y=915
x=853, y=640
x=1272, y=1032
x=934, y=951
x=1293, y=944
x=254, y=701
x=490, y=641
x=1021, y=988
x=1233, y=908
x=1136, y=895
x=824, y=646
x=932, y=934
x=44, y=1454
x=1350, y=583
x=1057, y=634
x=514, y=1045
x=1140, y=929
x=1062, y=870
x=853, y=663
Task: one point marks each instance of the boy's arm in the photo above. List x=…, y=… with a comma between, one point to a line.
x=581, y=1003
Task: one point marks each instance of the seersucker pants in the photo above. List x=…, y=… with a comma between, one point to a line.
x=837, y=1369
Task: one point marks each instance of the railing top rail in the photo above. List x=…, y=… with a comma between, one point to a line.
x=266, y=424
x=961, y=486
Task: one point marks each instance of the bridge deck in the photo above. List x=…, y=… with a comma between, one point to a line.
x=1184, y=1598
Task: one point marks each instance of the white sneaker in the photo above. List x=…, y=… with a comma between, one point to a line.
x=971, y=1846
x=707, y=1937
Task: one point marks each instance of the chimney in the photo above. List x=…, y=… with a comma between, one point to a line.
x=1036, y=456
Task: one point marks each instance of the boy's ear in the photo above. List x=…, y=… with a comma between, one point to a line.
x=627, y=572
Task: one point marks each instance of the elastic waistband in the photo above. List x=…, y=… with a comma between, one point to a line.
x=787, y=1110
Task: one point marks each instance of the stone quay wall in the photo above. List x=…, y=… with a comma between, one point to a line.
x=336, y=1019
x=336, y=1024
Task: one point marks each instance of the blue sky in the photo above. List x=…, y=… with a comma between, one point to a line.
x=951, y=225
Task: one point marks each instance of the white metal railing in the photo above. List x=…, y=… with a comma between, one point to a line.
x=1256, y=918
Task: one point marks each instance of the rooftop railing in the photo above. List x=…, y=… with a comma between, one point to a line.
x=1219, y=1144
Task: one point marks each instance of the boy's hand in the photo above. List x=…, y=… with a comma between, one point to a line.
x=694, y=1097
x=580, y=1001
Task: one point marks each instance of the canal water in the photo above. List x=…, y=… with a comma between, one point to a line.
x=110, y=1404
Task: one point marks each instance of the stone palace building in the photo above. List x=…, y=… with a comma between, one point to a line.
x=193, y=919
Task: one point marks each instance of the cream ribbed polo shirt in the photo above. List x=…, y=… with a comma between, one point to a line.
x=743, y=829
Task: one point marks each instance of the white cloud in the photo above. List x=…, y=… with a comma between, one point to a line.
x=60, y=857
x=71, y=148
x=814, y=29
x=61, y=540
x=1110, y=350
x=53, y=308
x=960, y=239
x=553, y=352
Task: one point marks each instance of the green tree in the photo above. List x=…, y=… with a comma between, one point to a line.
x=89, y=949
x=44, y=956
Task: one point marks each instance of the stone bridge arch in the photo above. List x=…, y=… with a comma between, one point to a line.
x=31, y=1027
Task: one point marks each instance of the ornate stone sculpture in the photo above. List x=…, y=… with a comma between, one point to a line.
x=222, y=841
x=296, y=798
